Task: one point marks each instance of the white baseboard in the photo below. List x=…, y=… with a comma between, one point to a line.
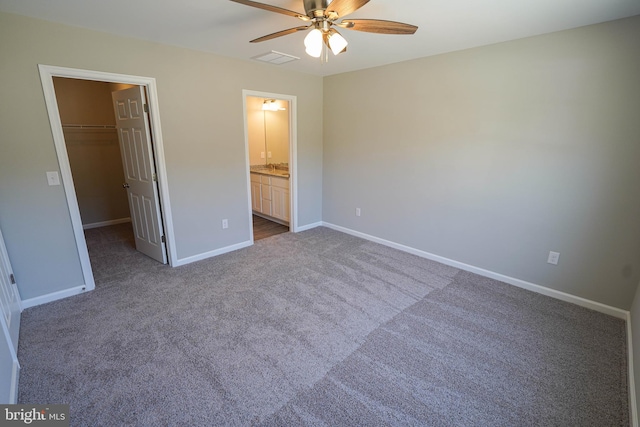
x=583, y=302
x=308, y=227
x=54, y=296
x=105, y=223
x=205, y=255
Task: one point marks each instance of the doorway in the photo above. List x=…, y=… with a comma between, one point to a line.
x=270, y=144
x=108, y=171
x=47, y=75
x=91, y=139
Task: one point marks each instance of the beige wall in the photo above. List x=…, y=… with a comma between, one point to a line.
x=84, y=102
x=203, y=143
x=94, y=154
x=491, y=156
x=497, y=155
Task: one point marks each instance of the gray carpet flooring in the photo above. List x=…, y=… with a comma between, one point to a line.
x=317, y=328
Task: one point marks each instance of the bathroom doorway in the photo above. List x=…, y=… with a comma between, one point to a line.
x=270, y=147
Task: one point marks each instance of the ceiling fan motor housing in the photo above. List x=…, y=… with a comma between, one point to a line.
x=321, y=15
x=315, y=8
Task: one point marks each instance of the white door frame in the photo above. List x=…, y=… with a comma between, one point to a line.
x=293, y=154
x=47, y=73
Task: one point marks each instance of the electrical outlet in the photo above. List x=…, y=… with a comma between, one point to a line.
x=358, y=212
x=262, y=154
x=269, y=154
x=225, y=223
x=553, y=258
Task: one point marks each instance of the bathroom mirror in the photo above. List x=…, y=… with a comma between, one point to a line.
x=268, y=131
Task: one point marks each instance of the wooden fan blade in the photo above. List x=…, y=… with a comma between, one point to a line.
x=378, y=26
x=341, y=8
x=279, y=34
x=273, y=9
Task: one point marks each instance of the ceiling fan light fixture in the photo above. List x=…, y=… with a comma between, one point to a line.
x=337, y=43
x=313, y=43
x=322, y=15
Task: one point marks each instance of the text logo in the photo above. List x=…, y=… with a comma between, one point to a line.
x=35, y=415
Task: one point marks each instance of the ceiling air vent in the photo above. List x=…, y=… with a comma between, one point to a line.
x=276, y=58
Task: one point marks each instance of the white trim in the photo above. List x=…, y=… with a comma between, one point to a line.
x=53, y=296
x=46, y=78
x=633, y=407
x=47, y=72
x=293, y=165
x=205, y=255
x=293, y=154
x=5, y=255
x=247, y=163
x=583, y=302
x=105, y=223
x=15, y=368
x=310, y=226
x=15, y=379
x=161, y=170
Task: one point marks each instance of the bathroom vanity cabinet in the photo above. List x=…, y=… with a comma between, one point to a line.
x=270, y=196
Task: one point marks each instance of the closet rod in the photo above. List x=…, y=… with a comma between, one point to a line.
x=73, y=126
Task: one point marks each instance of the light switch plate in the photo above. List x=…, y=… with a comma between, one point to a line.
x=553, y=258
x=53, y=178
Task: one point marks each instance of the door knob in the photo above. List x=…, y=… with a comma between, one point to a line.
x=125, y=185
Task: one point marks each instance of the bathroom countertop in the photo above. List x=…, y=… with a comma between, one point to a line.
x=277, y=172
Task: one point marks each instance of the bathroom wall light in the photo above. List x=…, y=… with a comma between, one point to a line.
x=271, y=105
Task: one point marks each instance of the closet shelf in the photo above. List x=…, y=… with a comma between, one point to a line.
x=92, y=134
x=75, y=126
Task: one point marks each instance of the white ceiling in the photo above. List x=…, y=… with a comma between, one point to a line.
x=225, y=28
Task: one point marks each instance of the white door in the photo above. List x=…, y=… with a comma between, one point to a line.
x=139, y=170
x=10, y=308
x=10, y=304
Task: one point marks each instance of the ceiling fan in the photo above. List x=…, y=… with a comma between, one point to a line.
x=322, y=16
